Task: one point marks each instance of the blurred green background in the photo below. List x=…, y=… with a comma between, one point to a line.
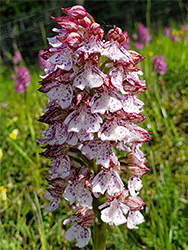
x=24, y=222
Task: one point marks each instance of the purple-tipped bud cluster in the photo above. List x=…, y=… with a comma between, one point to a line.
x=159, y=65
x=92, y=114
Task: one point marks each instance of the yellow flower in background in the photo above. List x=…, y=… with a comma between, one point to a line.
x=3, y=193
x=174, y=32
x=151, y=53
x=13, y=134
x=1, y=153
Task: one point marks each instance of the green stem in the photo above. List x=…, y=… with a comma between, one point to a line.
x=99, y=236
x=99, y=228
x=30, y=123
x=80, y=155
x=148, y=8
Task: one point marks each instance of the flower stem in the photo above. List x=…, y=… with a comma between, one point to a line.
x=99, y=236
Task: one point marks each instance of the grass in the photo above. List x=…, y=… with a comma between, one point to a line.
x=24, y=222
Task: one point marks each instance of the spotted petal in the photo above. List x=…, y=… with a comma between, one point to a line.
x=107, y=180
x=55, y=135
x=114, y=52
x=61, y=167
x=54, y=202
x=134, y=218
x=88, y=78
x=62, y=59
x=100, y=182
x=132, y=105
x=102, y=151
x=86, y=121
x=117, y=79
x=77, y=192
x=62, y=93
x=134, y=184
x=82, y=235
x=111, y=131
x=113, y=214
x=93, y=45
x=115, y=185
x=104, y=103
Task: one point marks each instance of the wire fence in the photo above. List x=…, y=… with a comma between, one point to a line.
x=28, y=27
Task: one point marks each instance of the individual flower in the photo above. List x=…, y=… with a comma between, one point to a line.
x=80, y=231
x=107, y=180
x=101, y=150
x=115, y=213
x=159, y=64
x=134, y=218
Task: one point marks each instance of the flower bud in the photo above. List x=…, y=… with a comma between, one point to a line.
x=67, y=23
x=72, y=40
x=55, y=151
x=94, y=30
x=54, y=115
x=135, y=203
x=135, y=167
x=85, y=22
x=86, y=216
x=116, y=34
x=136, y=57
x=76, y=11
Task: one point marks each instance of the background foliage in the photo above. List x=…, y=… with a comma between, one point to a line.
x=24, y=222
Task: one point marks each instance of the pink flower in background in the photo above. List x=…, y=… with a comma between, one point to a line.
x=167, y=31
x=184, y=27
x=22, y=80
x=17, y=57
x=43, y=63
x=138, y=46
x=174, y=38
x=135, y=36
x=127, y=45
x=144, y=36
x=159, y=65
